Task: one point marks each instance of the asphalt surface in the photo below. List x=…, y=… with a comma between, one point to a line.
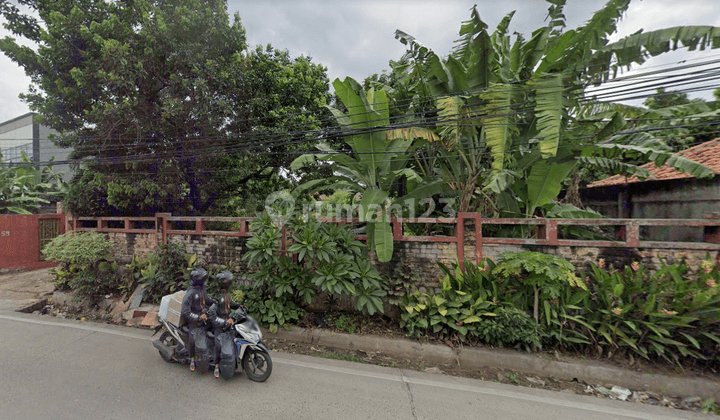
x=61, y=369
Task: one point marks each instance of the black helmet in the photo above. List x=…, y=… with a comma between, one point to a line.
x=224, y=279
x=198, y=276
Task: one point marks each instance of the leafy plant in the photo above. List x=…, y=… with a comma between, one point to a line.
x=25, y=188
x=267, y=309
x=541, y=271
x=86, y=263
x=321, y=258
x=346, y=323
x=165, y=271
x=513, y=377
x=456, y=310
x=670, y=313
x=510, y=327
x=379, y=161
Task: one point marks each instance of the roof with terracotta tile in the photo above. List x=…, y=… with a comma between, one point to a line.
x=707, y=153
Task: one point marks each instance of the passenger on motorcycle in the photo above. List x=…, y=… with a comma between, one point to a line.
x=194, y=309
x=219, y=315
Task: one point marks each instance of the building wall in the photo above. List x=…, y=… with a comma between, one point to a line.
x=681, y=199
x=48, y=149
x=16, y=135
x=22, y=134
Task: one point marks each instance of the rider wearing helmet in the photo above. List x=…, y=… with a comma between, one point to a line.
x=220, y=313
x=194, y=308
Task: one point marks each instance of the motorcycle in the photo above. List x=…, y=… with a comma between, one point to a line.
x=246, y=352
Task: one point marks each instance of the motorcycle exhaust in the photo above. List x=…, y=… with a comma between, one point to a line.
x=166, y=352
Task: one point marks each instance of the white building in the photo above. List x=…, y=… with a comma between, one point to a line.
x=23, y=134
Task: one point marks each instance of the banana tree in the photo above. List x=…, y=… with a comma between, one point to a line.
x=526, y=97
x=379, y=160
x=25, y=188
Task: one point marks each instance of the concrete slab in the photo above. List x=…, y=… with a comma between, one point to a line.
x=150, y=320
x=26, y=285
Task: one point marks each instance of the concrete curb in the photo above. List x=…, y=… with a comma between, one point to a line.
x=30, y=305
x=474, y=358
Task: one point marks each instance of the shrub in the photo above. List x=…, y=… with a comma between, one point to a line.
x=267, y=309
x=543, y=272
x=510, y=327
x=321, y=257
x=86, y=263
x=163, y=272
x=466, y=297
x=672, y=313
x=475, y=304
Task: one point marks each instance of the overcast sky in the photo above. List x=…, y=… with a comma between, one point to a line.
x=356, y=38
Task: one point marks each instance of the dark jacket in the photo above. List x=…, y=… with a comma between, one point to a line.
x=195, y=302
x=221, y=310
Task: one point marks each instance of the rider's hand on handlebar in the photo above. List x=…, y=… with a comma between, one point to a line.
x=203, y=317
x=230, y=322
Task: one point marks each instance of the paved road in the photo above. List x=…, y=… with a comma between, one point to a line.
x=60, y=369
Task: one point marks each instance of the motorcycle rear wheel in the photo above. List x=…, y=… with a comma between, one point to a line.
x=257, y=366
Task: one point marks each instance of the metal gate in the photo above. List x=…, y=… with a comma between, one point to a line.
x=47, y=230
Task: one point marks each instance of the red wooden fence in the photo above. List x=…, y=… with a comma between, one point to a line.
x=627, y=231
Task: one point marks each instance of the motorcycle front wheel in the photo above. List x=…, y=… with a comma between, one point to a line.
x=257, y=366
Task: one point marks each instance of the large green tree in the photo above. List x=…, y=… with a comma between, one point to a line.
x=283, y=109
x=159, y=99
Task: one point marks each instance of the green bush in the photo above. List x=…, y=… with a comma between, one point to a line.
x=86, y=263
x=321, y=257
x=492, y=305
x=543, y=272
x=165, y=271
x=510, y=327
x=465, y=299
x=672, y=313
x=267, y=309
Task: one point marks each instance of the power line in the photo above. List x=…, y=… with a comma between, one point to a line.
x=328, y=132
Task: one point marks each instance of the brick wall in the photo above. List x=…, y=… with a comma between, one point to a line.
x=222, y=250
x=420, y=258
x=126, y=245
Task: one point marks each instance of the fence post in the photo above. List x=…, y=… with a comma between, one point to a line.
x=460, y=238
x=397, y=229
x=633, y=233
x=164, y=226
x=551, y=232
x=478, y=239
